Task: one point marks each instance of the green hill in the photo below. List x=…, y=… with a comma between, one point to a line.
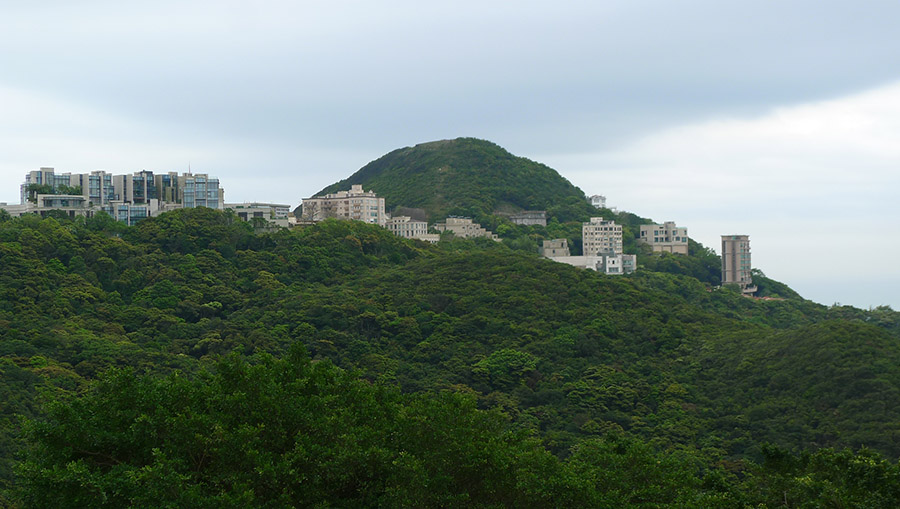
x=467, y=176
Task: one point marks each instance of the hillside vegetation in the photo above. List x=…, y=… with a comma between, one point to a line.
x=553, y=383
x=468, y=177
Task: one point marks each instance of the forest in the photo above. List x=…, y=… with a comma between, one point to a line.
x=189, y=361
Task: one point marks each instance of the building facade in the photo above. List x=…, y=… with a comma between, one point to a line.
x=463, y=227
x=613, y=265
x=598, y=201
x=409, y=228
x=273, y=213
x=736, y=265
x=601, y=237
x=530, y=217
x=617, y=264
x=128, y=198
x=665, y=237
x=354, y=204
x=555, y=248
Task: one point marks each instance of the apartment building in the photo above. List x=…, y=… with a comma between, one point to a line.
x=100, y=187
x=601, y=237
x=355, y=204
x=666, y=237
x=128, y=198
x=736, y=262
x=464, y=227
x=409, y=228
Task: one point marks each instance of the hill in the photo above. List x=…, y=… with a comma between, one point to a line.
x=469, y=177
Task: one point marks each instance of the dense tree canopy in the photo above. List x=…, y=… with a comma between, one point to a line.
x=559, y=370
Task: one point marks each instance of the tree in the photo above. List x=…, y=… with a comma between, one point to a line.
x=274, y=433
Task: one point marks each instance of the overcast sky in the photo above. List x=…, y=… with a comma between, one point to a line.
x=775, y=119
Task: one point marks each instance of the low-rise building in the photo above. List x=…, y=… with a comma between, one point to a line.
x=131, y=213
x=273, y=213
x=555, y=248
x=617, y=264
x=598, y=201
x=409, y=228
x=530, y=217
x=665, y=237
x=613, y=265
x=464, y=227
x=355, y=204
x=601, y=236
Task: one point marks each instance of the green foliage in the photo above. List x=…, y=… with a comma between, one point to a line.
x=33, y=190
x=274, y=433
x=504, y=368
x=467, y=176
x=767, y=287
x=679, y=373
x=826, y=478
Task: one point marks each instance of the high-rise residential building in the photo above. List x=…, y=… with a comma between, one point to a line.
x=354, y=204
x=736, y=268
x=601, y=237
x=665, y=237
x=128, y=198
x=201, y=190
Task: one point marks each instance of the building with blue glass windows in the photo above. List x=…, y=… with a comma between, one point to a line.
x=127, y=198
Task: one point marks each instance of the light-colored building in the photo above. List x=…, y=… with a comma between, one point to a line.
x=736, y=267
x=128, y=198
x=665, y=237
x=354, y=204
x=601, y=236
x=409, y=228
x=584, y=262
x=273, y=213
x=530, y=217
x=100, y=187
x=613, y=265
x=598, y=201
x=201, y=190
x=464, y=227
x=131, y=213
x=617, y=264
x=555, y=248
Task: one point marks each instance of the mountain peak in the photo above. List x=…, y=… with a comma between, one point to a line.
x=467, y=176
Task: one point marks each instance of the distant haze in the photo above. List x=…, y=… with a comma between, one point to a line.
x=778, y=120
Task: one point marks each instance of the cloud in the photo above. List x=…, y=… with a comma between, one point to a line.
x=42, y=130
x=814, y=185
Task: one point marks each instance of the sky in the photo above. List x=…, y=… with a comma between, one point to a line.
x=774, y=119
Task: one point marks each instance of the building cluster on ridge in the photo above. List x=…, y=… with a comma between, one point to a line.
x=130, y=198
x=602, y=243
